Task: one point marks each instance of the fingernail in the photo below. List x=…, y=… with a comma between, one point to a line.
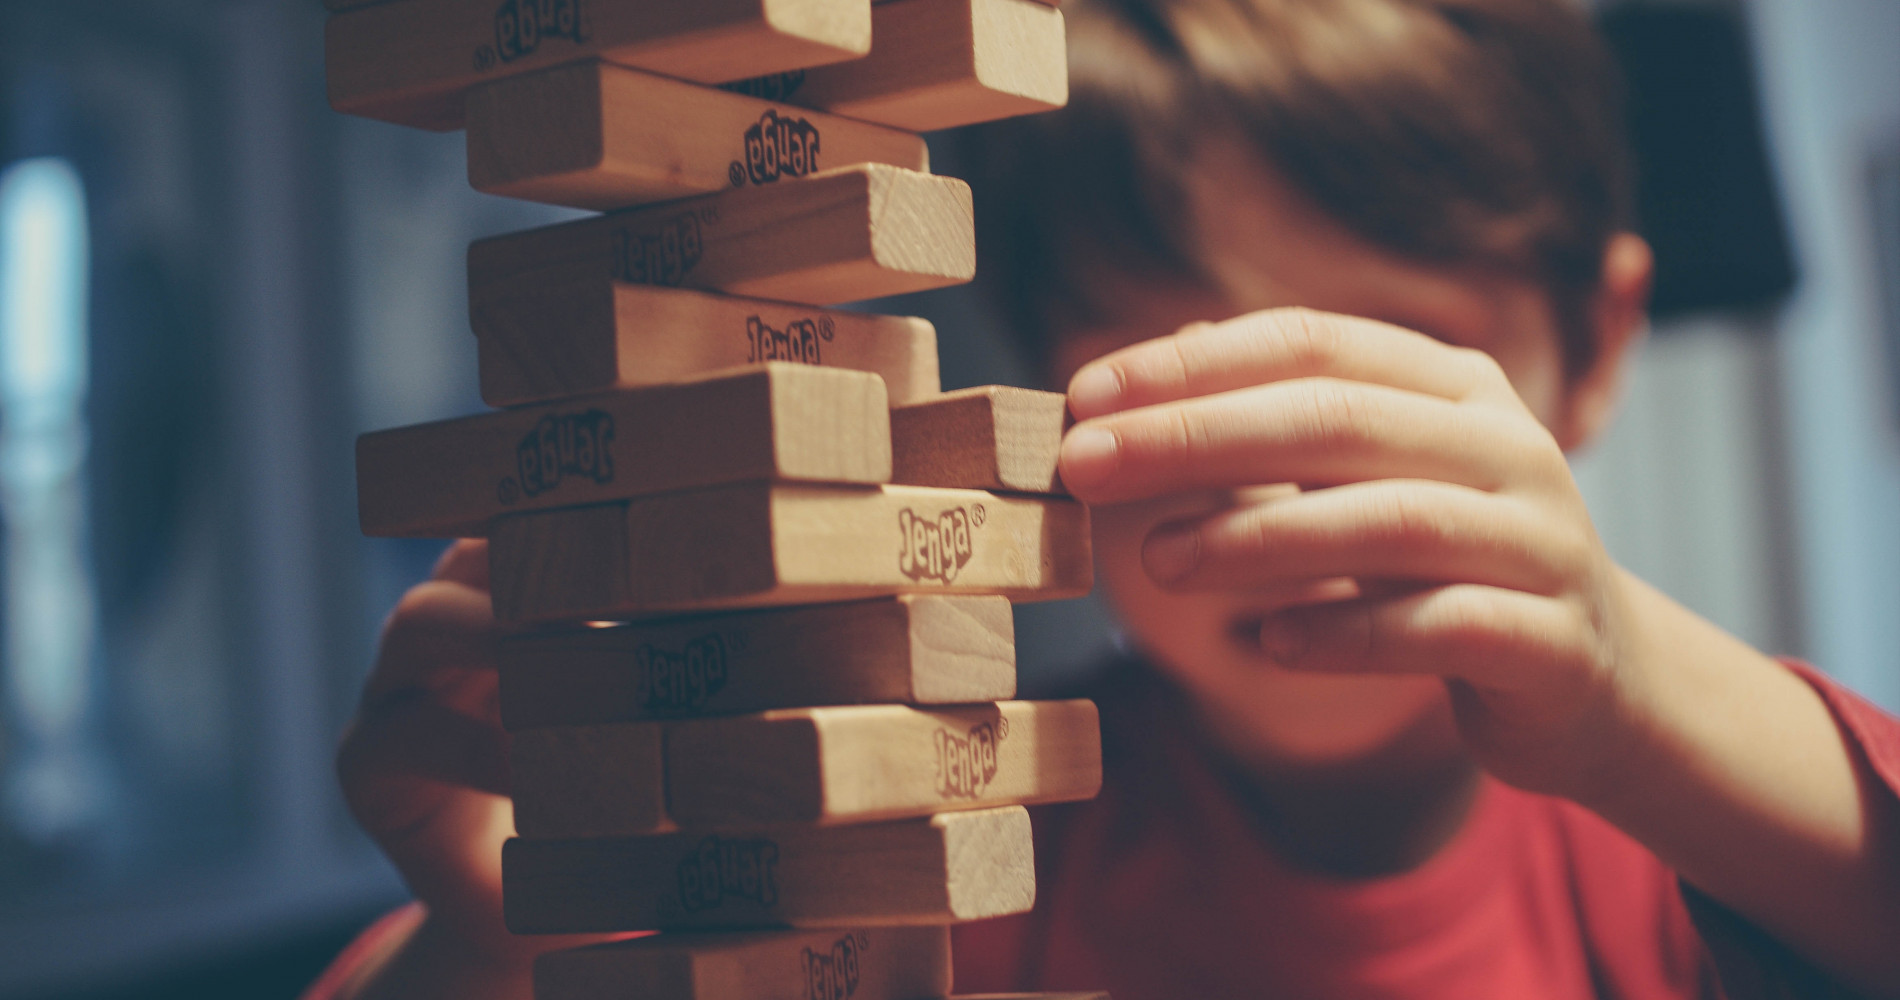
x=1089, y=457
x=1285, y=639
x=1171, y=553
x=1095, y=390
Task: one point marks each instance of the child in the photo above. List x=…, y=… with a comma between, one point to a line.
x=1403, y=730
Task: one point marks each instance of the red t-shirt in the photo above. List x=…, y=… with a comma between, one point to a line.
x=1159, y=889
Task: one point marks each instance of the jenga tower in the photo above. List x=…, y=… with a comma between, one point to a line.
x=762, y=696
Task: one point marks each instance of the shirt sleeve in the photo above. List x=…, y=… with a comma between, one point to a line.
x=1752, y=965
x=370, y=947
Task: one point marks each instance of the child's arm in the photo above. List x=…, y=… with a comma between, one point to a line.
x=425, y=770
x=1568, y=675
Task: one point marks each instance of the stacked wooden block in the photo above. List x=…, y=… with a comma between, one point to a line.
x=761, y=695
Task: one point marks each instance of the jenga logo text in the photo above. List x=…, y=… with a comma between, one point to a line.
x=660, y=257
x=719, y=870
x=773, y=87
x=668, y=682
x=522, y=25
x=966, y=764
x=936, y=548
x=833, y=975
x=798, y=341
x=776, y=147
x=562, y=445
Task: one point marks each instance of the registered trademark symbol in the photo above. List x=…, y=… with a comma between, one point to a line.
x=735, y=172
x=484, y=58
x=508, y=491
x=864, y=941
x=1002, y=728
x=978, y=515
x=709, y=215
x=826, y=327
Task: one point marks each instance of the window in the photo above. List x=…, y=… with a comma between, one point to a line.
x=56, y=782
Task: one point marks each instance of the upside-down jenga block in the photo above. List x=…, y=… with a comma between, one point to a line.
x=595, y=135
x=939, y=64
x=948, y=868
x=862, y=763
x=411, y=61
x=762, y=545
x=992, y=437
x=921, y=649
x=611, y=334
x=824, y=766
x=839, y=236
x=775, y=421
x=873, y=963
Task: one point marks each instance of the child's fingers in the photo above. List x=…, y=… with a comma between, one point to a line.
x=1311, y=430
x=1485, y=635
x=1272, y=346
x=465, y=561
x=1386, y=530
x=437, y=627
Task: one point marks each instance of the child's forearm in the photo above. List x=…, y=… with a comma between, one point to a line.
x=1738, y=776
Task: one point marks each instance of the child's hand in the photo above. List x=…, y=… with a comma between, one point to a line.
x=1441, y=515
x=1428, y=484
x=425, y=769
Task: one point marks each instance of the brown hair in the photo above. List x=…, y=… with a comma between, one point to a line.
x=1482, y=132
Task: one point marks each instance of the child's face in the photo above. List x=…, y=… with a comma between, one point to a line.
x=1268, y=248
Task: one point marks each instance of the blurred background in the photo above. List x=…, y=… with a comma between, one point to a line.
x=209, y=284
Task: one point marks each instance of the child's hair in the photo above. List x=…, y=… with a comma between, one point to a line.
x=1477, y=132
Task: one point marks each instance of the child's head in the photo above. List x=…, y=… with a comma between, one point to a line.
x=1455, y=167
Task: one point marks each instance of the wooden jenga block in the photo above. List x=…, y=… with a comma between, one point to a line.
x=595, y=135
x=939, y=64
x=923, y=649
x=872, y=963
x=860, y=763
x=775, y=421
x=609, y=334
x=948, y=868
x=823, y=766
x=763, y=544
x=411, y=61
x=838, y=236
x=993, y=437
x=589, y=781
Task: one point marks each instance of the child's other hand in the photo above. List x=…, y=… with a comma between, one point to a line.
x=1428, y=484
x=424, y=767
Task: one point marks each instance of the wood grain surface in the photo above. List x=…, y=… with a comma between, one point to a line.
x=859, y=763
x=919, y=649
x=992, y=437
x=865, y=963
x=410, y=62
x=762, y=545
x=838, y=236
x=946, y=869
x=776, y=421
x=939, y=64
x=608, y=335
x=599, y=136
